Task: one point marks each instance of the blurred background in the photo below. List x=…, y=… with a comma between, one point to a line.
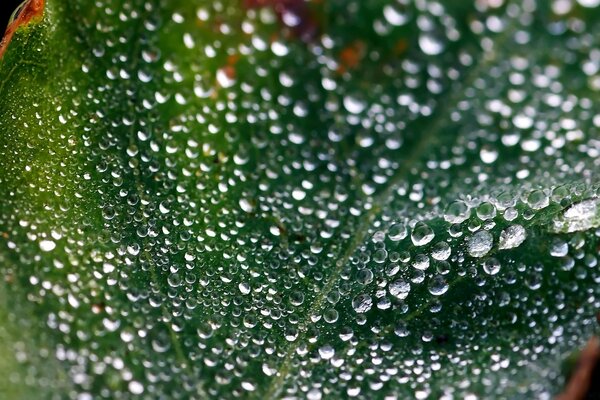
x=6, y=12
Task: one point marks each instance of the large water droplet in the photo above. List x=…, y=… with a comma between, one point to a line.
x=578, y=217
x=47, y=245
x=399, y=289
x=491, y=266
x=362, y=303
x=457, y=212
x=512, y=237
x=480, y=244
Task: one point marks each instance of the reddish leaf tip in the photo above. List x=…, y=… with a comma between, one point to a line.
x=29, y=10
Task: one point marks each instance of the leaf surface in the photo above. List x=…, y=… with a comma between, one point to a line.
x=321, y=199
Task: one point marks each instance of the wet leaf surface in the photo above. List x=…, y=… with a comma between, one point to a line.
x=288, y=199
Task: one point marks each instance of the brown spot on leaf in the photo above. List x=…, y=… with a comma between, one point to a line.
x=400, y=47
x=351, y=56
x=97, y=308
x=29, y=10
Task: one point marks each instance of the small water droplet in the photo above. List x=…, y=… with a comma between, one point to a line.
x=396, y=17
x=244, y=288
x=438, y=285
x=397, y=232
x=421, y=234
x=47, y=245
x=491, y=266
x=430, y=45
x=135, y=387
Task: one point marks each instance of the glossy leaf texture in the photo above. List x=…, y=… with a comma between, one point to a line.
x=298, y=199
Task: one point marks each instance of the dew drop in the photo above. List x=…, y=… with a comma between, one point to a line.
x=441, y=251
x=362, y=303
x=488, y=155
x=244, y=288
x=397, y=232
x=589, y=3
x=430, y=45
x=512, y=237
x=457, y=212
x=353, y=105
x=135, y=387
x=537, y=200
x=558, y=248
x=480, y=244
x=491, y=266
x=326, y=352
x=438, y=285
x=399, y=289
x=578, y=217
x=246, y=205
x=395, y=17
x=421, y=234
x=47, y=245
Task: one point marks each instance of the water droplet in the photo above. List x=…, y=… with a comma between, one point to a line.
x=580, y=216
x=246, y=205
x=488, y=155
x=395, y=17
x=421, y=234
x=244, y=288
x=589, y=3
x=397, y=232
x=399, y=289
x=430, y=45
x=353, y=105
x=298, y=194
x=512, y=237
x=441, y=251
x=558, y=248
x=135, y=387
x=380, y=256
x=296, y=298
x=538, y=200
x=486, y=211
x=421, y=262
x=457, y=212
x=226, y=77
x=480, y=244
x=491, y=266
x=438, y=285
x=330, y=315
x=47, y=245
x=362, y=303
x=522, y=121
x=326, y=352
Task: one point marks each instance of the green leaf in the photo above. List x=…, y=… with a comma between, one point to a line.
x=298, y=199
